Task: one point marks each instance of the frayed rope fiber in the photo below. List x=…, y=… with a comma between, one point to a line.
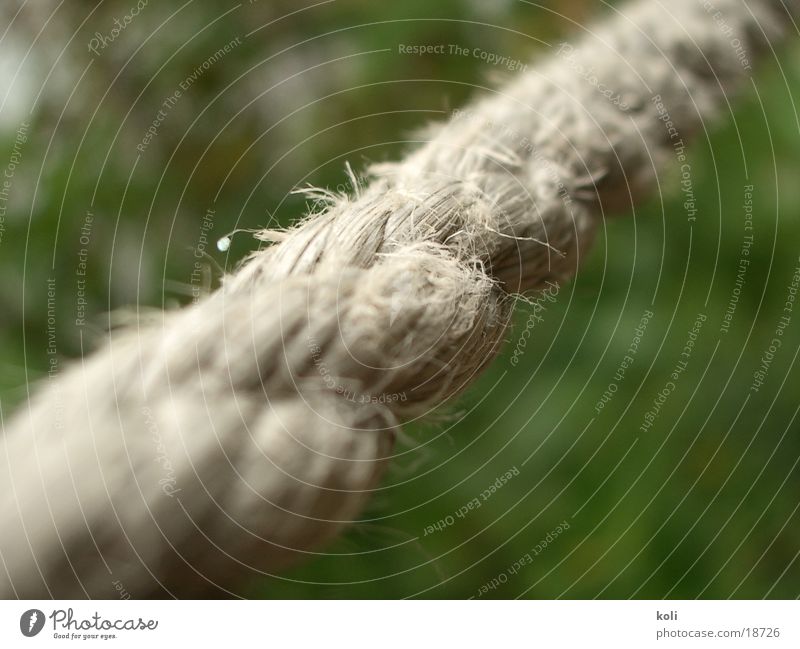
x=239, y=435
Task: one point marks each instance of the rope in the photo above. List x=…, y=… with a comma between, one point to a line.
x=239, y=435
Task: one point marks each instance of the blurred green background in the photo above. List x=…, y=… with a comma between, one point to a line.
x=704, y=503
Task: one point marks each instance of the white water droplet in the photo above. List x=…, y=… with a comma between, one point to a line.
x=223, y=244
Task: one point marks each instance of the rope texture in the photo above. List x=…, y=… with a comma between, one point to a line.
x=239, y=435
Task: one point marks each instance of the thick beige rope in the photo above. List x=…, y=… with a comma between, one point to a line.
x=241, y=433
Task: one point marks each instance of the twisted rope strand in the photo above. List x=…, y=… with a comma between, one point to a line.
x=242, y=433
